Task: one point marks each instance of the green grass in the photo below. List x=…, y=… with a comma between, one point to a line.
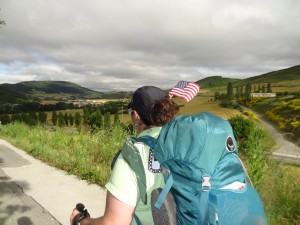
x=85, y=155
x=89, y=156
x=280, y=194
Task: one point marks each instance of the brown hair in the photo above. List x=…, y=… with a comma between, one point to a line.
x=163, y=111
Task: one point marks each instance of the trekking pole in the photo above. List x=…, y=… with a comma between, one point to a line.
x=83, y=213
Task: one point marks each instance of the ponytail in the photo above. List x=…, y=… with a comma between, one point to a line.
x=163, y=111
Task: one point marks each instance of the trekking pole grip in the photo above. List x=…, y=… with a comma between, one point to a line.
x=83, y=213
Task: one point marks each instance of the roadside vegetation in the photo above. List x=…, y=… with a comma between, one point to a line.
x=85, y=154
x=83, y=141
x=284, y=112
x=277, y=183
x=88, y=155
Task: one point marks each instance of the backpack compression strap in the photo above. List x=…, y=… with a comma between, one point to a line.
x=169, y=183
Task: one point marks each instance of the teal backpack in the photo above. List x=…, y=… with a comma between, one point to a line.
x=198, y=157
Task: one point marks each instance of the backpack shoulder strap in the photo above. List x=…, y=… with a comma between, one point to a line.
x=148, y=140
x=151, y=142
x=132, y=156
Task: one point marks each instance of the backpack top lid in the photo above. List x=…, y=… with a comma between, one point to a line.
x=181, y=143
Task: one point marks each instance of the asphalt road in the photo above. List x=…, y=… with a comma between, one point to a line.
x=284, y=149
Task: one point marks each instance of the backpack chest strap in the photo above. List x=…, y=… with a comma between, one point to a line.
x=203, y=202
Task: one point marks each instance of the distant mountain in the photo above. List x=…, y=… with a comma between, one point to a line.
x=48, y=87
x=292, y=73
x=215, y=81
x=11, y=96
x=33, y=90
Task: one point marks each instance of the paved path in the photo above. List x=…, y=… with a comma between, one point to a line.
x=284, y=150
x=33, y=193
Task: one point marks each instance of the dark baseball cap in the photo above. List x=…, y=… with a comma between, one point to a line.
x=142, y=100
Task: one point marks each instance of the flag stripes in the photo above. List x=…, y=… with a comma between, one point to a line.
x=185, y=90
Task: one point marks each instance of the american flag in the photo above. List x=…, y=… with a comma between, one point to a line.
x=185, y=90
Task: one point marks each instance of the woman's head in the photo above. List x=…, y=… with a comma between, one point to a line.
x=153, y=106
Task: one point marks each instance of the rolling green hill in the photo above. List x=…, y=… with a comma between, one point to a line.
x=284, y=75
x=33, y=90
x=48, y=87
x=11, y=96
x=215, y=81
x=292, y=73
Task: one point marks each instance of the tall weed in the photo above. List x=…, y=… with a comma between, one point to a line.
x=280, y=193
x=255, y=154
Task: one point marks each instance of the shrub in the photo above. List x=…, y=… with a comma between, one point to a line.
x=241, y=127
x=252, y=148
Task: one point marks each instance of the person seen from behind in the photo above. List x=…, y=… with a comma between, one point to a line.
x=150, y=109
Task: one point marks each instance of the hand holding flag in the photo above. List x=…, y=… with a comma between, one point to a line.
x=185, y=90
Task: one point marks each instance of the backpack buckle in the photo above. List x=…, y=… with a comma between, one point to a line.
x=206, y=186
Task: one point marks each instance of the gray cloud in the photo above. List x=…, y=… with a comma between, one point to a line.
x=121, y=45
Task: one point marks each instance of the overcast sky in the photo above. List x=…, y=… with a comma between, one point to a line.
x=124, y=44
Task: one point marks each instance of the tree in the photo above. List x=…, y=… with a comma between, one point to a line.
x=54, y=118
x=95, y=120
x=229, y=90
x=237, y=92
x=61, y=119
x=269, y=89
x=248, y=91
x=71, y=119
x=87, y=111
x=107, y=120
x=66, y=118
x=116, y=119
x=32, y=119
x=77, y=119
x=263, y=89
x=42, y=117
